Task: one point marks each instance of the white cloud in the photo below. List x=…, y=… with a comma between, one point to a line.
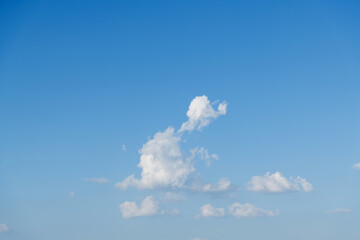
x=72, y=194
x=161, y=162
x=237, y=210
x=173, y=197
x=148, y=207
x=3, y=228
x=123, y=147
x=96, y=180
x=339, y=210
x=248, y=210
x=204, y=155
x=356, y=166
x=209, y=211
x=305, y=185
x=200, y=113
x=277, y=183
x=223, y=185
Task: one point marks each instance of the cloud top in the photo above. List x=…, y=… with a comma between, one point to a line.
x=201, y=113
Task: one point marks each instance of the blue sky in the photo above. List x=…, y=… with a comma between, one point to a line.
x=89, y=90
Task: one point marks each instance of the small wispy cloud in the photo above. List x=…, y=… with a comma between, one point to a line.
x=356, y=166
x=249, y=210
x=72, y=194
x=237, y=210
x=222, y=185
x=123, y=147
x=204, y=155
x=148, y=207
x=4, y=228
x=173, y=211
x=97, y=180
x=339, y=210
x=208, y=210
x=173, y=197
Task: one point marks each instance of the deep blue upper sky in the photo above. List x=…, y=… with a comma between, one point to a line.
x=79, y=79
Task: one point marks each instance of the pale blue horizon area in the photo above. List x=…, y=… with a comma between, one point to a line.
x=79, y=79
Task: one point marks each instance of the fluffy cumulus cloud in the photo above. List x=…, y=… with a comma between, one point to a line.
x=248, y=210
x=3, y=228
x=163, y=164
x=148, y=207
x=208, y=210
x=356, y=166
x=277, y=183
x=96, y=180
x=339, y=210
x=200, y=113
